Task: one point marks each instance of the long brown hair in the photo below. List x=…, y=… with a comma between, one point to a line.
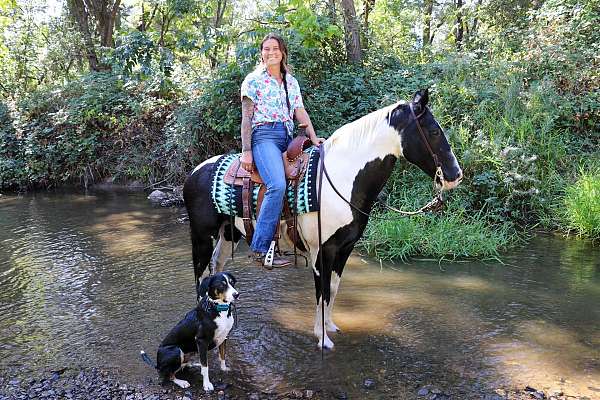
x=284, y=50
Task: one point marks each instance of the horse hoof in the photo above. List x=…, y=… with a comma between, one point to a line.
x=325, y=344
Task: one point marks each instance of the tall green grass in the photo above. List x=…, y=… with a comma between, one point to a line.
x=450, y=235
x=456, y=232
x=582, y=205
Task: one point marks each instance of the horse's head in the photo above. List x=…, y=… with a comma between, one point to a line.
x=423, y=141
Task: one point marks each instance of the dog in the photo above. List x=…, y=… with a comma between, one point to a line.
x=202, y=329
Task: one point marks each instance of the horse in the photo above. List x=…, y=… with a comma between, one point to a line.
x=359, y=158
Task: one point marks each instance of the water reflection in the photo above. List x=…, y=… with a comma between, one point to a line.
x=89, y=280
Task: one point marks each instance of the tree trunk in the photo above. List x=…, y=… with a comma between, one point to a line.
x=459, y=24
x=427, y=13
x=217, y=22
x=353, y=50
x=105, y=13
x=79, y=12
x=473, y=30
x=369, y=6
x=331, y=11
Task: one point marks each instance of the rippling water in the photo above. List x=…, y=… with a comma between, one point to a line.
x=89, y=280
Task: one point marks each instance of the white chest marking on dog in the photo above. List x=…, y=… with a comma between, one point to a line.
x=224, y=325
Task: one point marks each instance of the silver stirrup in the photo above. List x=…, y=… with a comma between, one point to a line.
x=270, y=255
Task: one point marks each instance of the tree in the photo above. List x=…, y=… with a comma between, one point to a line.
x=352, y=38
x=79, y=13
x=427, y=14
x=104, y=14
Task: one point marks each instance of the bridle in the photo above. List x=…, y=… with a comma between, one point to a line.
x=438, y=165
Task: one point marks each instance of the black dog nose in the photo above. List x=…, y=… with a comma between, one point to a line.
x=236, y=295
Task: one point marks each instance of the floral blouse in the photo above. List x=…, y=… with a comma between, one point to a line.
x=268, y=97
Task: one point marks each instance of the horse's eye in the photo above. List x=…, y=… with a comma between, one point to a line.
x=436, y=132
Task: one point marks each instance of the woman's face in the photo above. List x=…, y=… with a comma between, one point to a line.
x=271, y=53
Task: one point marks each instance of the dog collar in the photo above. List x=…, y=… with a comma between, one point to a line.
x=209, y=305
x=222, y=307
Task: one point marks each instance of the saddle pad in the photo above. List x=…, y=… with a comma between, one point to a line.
x=228, y=198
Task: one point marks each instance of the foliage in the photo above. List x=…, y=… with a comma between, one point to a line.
x=11, y=151
x=456, y=232
x=582, y=205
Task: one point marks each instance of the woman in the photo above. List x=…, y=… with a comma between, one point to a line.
x=270, y=100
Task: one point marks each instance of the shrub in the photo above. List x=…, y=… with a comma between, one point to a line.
x=582, y=205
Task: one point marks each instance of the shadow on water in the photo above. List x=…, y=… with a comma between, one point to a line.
x=90, y=280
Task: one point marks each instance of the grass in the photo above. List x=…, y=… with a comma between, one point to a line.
x=582, y=205
x=451, y=234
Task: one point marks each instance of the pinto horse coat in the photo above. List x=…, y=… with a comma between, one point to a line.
x=359, y=158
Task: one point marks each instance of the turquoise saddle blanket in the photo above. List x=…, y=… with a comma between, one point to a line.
x=227, y=198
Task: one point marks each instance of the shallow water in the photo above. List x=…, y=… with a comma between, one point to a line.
x=89, y=280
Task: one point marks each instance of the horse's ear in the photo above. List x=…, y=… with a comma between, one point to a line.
x=420, y=99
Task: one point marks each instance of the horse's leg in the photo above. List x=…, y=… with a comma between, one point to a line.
x=202, y=250
x=223, y=248
x=336, y=277
x=328, y=254
x=204, y=218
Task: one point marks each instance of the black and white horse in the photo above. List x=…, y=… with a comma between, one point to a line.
x=359, y=158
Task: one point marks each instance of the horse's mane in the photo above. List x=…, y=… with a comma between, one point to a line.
x=361, y=131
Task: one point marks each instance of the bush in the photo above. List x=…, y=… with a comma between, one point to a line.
x=582, y=205
x=11, y=151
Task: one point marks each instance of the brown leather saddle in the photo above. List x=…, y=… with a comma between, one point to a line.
x=295, y=162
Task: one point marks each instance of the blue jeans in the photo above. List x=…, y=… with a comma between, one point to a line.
x=268, y=142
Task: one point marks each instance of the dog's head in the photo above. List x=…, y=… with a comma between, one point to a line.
x=219, y=287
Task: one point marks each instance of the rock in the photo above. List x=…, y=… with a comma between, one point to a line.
x=157, y=196
x=254, y=396
x=341, y=395
x=493, y=397
x=14, y=382
x=296, y=394
x=369, y=383
x=309, y=394
x=221, y=395
x=424, y=391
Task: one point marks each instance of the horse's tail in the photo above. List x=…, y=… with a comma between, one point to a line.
x=146, y=358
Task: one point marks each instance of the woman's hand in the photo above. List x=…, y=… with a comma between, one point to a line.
x=317, y=140
x=247, y=160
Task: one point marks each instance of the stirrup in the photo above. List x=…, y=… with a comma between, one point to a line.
x=270, y=260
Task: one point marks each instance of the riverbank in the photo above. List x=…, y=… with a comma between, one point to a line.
x=94, y=383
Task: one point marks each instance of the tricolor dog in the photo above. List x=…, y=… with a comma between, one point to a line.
x=203, y=328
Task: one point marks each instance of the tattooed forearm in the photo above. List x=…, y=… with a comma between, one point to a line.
x=247, y=113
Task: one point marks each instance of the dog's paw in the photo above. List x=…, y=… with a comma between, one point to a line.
x=208, y=387
x=181, y=383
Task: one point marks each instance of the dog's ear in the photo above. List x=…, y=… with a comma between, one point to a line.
x=202, y=287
